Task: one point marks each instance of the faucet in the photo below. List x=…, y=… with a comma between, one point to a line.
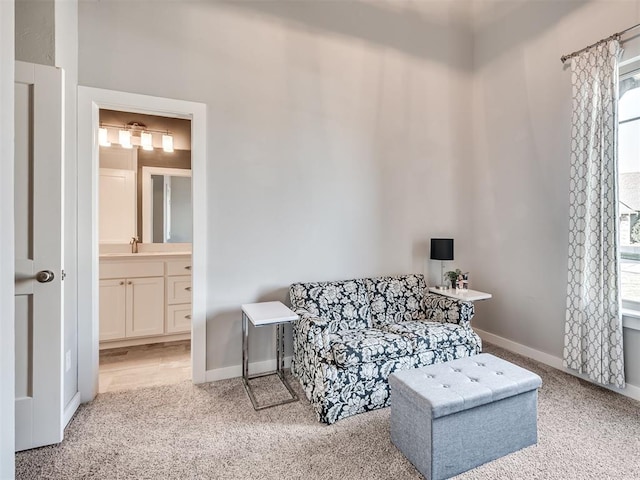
x=134, y=244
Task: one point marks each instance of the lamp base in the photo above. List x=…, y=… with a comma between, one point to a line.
x=443, y=287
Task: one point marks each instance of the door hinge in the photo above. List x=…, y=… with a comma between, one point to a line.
x=63, y=275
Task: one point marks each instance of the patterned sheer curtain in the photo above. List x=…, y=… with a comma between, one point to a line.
x=593, y=329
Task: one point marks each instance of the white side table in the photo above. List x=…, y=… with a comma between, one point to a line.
x=262, y=314
x=464, y=295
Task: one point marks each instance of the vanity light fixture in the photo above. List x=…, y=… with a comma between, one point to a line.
x=146, y=140
x=137, y=134
x=167, y=143
x=103, y=137
x=124, y=137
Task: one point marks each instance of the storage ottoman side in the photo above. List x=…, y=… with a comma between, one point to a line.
x=448, y=418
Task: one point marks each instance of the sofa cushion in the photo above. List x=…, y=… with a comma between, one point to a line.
x=426, y=336
x=355, y=347
x=345, y=303
x=396, y=299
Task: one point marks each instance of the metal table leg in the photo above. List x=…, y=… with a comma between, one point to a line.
x=279, y=365
x=245, y=346
x=245, y=360
x=280, y=362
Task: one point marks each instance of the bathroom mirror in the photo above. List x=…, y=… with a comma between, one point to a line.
x=166, y=205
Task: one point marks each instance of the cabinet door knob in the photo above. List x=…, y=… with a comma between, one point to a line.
x=129, y=282
x=188, y=289
x=188, y=267
x=188, y=317
x=121, y=283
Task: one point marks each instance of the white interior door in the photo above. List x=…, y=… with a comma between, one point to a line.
x=38, y=251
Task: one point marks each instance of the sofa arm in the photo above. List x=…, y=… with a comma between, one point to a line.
x=311, y=333
x=438, y=308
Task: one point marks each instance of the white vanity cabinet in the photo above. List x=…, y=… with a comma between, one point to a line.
x=142, y=301
x=112, y=309
x=129, y=307
x=178, y=296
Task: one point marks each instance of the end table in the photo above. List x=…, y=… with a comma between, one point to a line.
x=262, y=314
x=464, y=295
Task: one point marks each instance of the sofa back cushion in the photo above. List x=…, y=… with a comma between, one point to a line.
x=344, y=303
x=396, y=299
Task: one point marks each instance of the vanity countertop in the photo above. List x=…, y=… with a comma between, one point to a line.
x=122, y=255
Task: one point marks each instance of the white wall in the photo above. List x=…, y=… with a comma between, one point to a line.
x=7, y=334
x=522, y=118
x=334, y=134
x=339, y=140
x=35, y=31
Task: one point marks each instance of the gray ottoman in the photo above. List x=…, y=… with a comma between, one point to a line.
x=450, y=417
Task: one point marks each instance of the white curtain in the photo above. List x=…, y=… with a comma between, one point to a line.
x=593, y=329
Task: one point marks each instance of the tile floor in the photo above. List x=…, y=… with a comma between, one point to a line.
x=128, y=368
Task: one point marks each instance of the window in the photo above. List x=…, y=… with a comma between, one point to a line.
x=629, y=183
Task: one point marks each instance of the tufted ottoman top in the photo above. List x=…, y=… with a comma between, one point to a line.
x=461, y=384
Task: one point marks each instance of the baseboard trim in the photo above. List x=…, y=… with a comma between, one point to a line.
x=546, y=358
x=133, y=342
x=71, y=408
x=631, y=391
x=236, y=370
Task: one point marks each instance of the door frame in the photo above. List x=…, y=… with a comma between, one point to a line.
x=7, y=260
x=90, y=101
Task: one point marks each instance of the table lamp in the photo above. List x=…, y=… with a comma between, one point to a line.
x=442, y=249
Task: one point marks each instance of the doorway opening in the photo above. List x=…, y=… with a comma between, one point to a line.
x=164, y=279
x=145, y=239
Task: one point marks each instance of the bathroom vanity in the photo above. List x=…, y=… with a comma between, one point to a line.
x=144, y=298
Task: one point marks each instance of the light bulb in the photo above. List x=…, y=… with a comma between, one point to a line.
x=146, y=140
x=167, y=143
x=124, y=137
x=103, y=137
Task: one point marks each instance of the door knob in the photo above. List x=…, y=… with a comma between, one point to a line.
x=45, y=276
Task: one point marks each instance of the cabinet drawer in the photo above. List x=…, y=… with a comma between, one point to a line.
x=131, y=269
x=178, y=318
x=178, y=290
x=179, y=267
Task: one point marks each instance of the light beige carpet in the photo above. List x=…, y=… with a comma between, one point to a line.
x=212, y=432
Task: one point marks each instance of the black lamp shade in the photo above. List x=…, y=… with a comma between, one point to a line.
x=442, y=249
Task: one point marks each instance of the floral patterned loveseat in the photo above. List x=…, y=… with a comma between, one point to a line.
x=352, y=334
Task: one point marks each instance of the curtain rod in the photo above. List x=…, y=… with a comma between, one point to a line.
x=615, y=36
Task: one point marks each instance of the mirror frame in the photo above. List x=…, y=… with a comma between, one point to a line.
x=147, y=232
